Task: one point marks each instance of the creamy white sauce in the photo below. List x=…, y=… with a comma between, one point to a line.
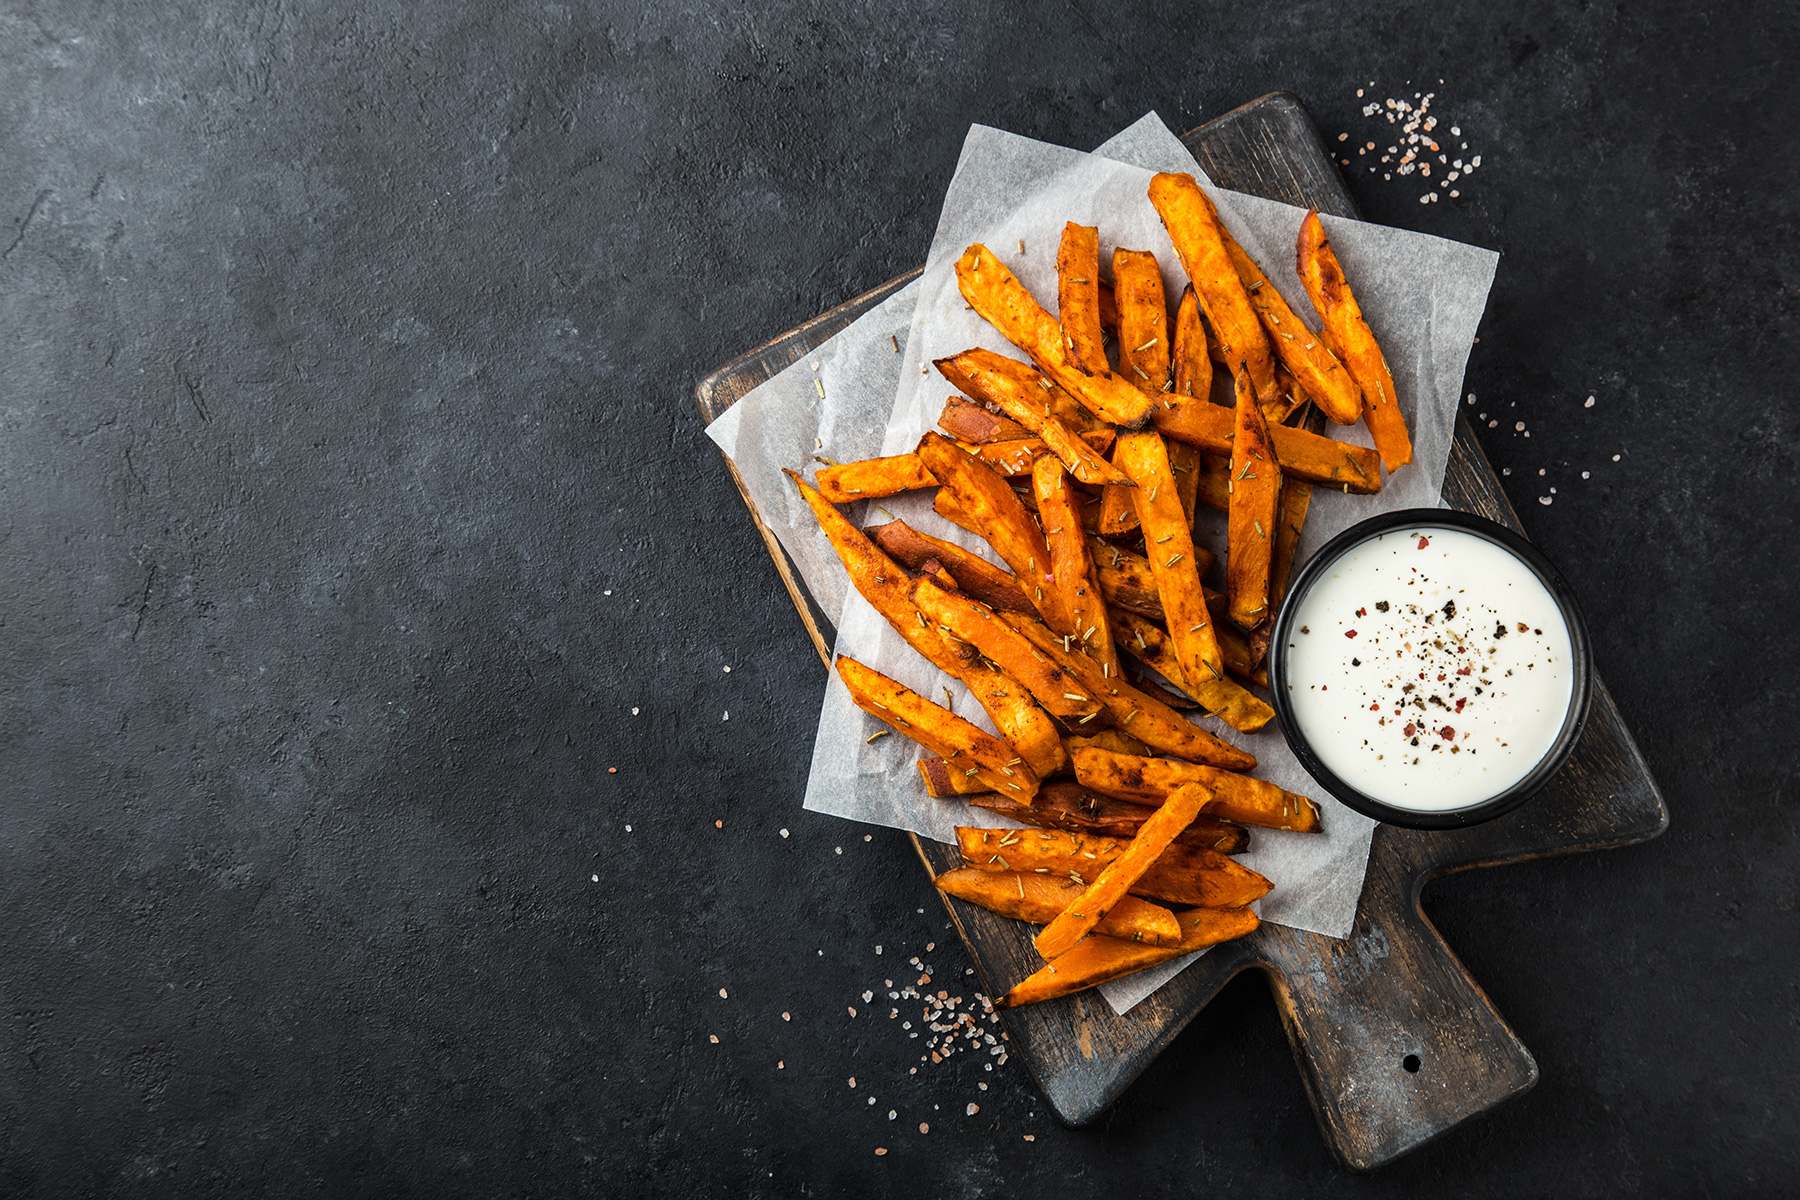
x=1429, y=668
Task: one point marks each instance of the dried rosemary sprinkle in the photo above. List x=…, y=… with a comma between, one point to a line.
x=1259, y=529
x=819, y=386
x=1146, y=346
x=1173, y=559
x=879, y=733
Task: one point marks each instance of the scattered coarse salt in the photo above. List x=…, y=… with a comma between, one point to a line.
x=634, y=710
x=972, y=1109
x=606, y=592
x=924, y=1128
x=781, y=1064
x=724, y=995
x=1540, y=472
x=852, y=1081
x=1545, y=500
x=628, y=829
x=868, y=837
x=1585, y=474
x=1031, y=1137
x=1588, y=403
x=892, y=1114
x=713, y=1038
x=728, y=670
x=880, y=1151
x=1518, y=427
x=727, y=715
x=787, y=1016
x=784, y=833
x=1615, y=458
x=839, y=849
x=718, y=824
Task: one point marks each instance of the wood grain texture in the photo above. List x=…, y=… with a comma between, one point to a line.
x=1396, y=1043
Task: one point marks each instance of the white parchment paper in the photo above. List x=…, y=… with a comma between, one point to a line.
x=870, y=390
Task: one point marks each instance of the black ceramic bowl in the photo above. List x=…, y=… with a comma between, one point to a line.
x=1580, y=649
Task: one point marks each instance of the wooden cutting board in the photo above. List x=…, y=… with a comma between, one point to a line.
x=1395, y=1042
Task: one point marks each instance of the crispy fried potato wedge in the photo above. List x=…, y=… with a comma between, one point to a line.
x=1198, y=236
x=1235, y=797
x=1302, y=453
x=1003, y=302
x=1062, y=804
x=1255, y=495
x=1140, y=714
x=967, y=421
x=1116, y=879
x=1001, y=519
x=1027, y=397
x=1039, y=898
x=888, y=589
x=1350, y=336
x=1095, y=961
x=975, y=623
x=1308, y=359
x=1169, y=545
x=938, y=729
x=975, y=576
x=1178, y=876
x=1078, y=297
x=1070, y=564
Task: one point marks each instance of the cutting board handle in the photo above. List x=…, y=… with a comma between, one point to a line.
x=1395, y=1041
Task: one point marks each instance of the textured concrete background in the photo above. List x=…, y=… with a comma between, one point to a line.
x=355, y=519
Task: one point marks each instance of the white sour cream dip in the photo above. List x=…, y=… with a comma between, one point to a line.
x=1429, y=668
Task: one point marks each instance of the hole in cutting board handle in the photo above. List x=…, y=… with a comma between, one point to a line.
x=1411, y=1063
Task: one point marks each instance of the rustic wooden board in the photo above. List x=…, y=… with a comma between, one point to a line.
x=1394, y=1040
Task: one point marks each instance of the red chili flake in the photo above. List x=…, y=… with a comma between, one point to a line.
x=1375, y=707
x=1447, y=733
x=1410, y=729
x=1362, y=612
x=1440, y=677
x=1349, y=633
x=1468, y=670
x=1424, y=542
x=1460, y=701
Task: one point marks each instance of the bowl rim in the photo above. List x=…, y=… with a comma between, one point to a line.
x=1580, y=647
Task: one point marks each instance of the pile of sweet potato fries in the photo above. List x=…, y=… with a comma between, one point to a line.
x=1082, y=469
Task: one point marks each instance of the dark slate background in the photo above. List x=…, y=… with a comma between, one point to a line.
x=352, y=496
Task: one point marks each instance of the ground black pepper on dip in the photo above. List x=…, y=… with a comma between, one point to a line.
x=1429, y=668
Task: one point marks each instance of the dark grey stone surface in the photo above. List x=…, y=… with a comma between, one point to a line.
x=352, y=497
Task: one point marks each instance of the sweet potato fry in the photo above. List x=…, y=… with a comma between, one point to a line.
x=1039, y=898
x=967, y=421
x=1078, y=297
x=1290, y=519
x=1116, y=740
x=1071, y=565
x=1349, y=334
x=871, y=478
x=1126, y=580
x=1193, y=365
x=943, y=781
x=1235, y=797
x=975, y=576
x=1116, y=515
x=1028, y=398
x=975, y=623
x=1143, y=320
x=1308, y=359
x=946, y=505
x=1195, y=230
x=937, y=729
x=1144, y=640
x=1137, y=712
x=1302, y=453
x=1116, y=879
x=1076, y=809
x=1001, y=519
x=1095, y=961
x=1255, y=493
x=1029, y=730
x=1001, y=300
x=1169, y=545
x=1178, y=876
